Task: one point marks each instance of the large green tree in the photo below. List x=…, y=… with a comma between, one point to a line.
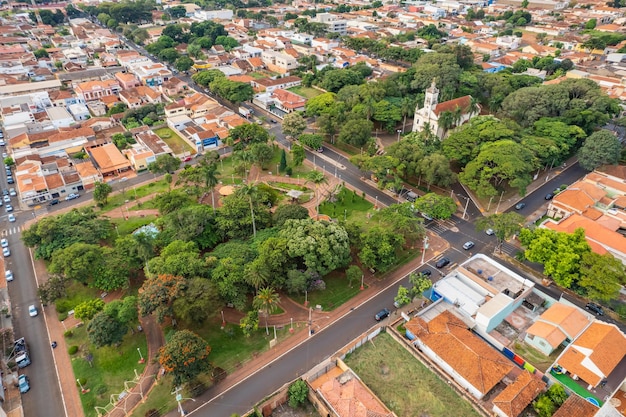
x=294, y=124
x=601, y=276
x=199, y=301
x=600, y=148
x=104, y=330
x=158, y=293
x=436, y=206
x=504, y=226
x=379, y=248
x=164, y=163
x=185, y=356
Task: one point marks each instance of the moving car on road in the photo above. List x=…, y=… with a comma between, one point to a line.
x=468, y=245
x=490, y=232
x=32, y=311
x=520, y=206
x=442, y=262
x=594, y=308
x=23, y=383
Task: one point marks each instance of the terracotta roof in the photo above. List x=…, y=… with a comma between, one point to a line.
x=601, y=346
x=579, y=196
x=516, y=397
x=350, y=398
x=451, y=105
x=576, y=406
x=268, y=82
x=288, y=99
x=618, y=171
x=594, y=232
x=54, y=181
x=87, y=169
x=470, y=356
x=562, y=321
x=108, y=158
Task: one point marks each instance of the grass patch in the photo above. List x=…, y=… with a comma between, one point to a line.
x=159, y=398
x=307, y=92
x=126, y=227
x=572, y=385
x=76, y=294
x=336, y=293
x=111, y=367
x=403, y=383
x=349, y=149
x=535, y=357
x=350, y=206
x=286, y=186
x=175, y=142
x=134, y=194
x=146, y=205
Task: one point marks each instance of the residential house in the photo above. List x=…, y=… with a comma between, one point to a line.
x=464, y=356
x=154, y=143
x=576, y=406
x=152, y=75
x=63, y=98
x=138, y=96
x=270, y=84
x=518, y=395
x=557, y=326
x=595, y=354
x=79, y=111
x=287, y=101
x=173, y=87
x=94, y=90
x=279, y=62
x=109, y=160
x=140, y=156
x=59, y=117
x=126, y=80
x=334, y=23
x=440, y=117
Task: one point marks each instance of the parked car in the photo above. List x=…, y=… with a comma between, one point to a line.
x=549, y=196
x=8, y=275
x=382, y=314
x=6, y=199
x=442, y=262
x=32, y=311
x=468, y=245
x=53, y=202
x=5, y=192
x=10, y=180
x=9, y=208
x=72, y=196
x=12, y=192
x=6, y=252
x=187, y=158
x=426, y=272
x=4, y=243
x=426, y=216
x=594, y=308
x=11, y=218
x=520, y=206
x=490, y=232
x=23, y=383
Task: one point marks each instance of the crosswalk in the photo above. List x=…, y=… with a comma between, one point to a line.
x=439, y=227
x=11, y=231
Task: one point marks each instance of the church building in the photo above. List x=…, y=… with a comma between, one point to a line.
x=434, y=114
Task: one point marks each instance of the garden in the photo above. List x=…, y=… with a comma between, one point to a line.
x=177, y=144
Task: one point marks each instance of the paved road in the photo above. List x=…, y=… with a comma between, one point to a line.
x=44, y=399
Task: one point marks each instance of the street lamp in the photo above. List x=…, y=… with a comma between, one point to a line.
x=82, y=389
x=141, y=359
x=399, y=131
x=425, y=246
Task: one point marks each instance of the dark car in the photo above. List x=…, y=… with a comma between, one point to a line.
x=520, y=206
x=549, y=196
x=442, y=262
x=426, y=272
x=594, y=308
x=382, y=314
x=53, y=202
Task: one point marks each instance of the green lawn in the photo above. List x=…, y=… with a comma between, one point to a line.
x=175, y=142
x=126, y=227
x=135, y=193
x=403, y=383
x=336, y=293
x=76, y=294
x=160, y=398
x=112, y=366
x=306, y=92
x=572, y=385
x=349, y=206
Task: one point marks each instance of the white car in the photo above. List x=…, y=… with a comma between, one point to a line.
x=72, y=196
x=12, y=218
x=12, y=192
x=490, y=232
x=32, y=311
x=6, y=252
x=4, y=243
x=9, y=208
x=8, y=274
x=6, y=199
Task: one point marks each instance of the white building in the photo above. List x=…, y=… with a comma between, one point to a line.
x=59, y=117
x=222, y=14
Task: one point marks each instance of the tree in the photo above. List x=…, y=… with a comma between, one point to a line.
x=285, y=212
x=164, y=163
x=401, y=219
x=504, y=161
x=172, y=200
x=199, y=301
x=185, y=356
x=203, y=175
x=313, y=141
x=353, y=273
x=238, y=212
x=378, y=248
x=41, y=53
x=88, y=309
x=600, y=148
x=104, y=330
x=180, y=258
x=420, y=283
x=435, y=205
x=101, y=192
x=248, y=133
x=356, y=132
x=298, y=393
x=267, y=301
x=123, y=310
x=195, y=223
x=601, y=276
x=297, y=154
x=294, y=124
x=402, y=297
x=158, y=293
x=504, y=226
x=77, y=261
x=249, y=323
x=183, y=63
x=262, y=154
x=283, y=161
x=53, y=289
x=435, y=169
x=316, y=245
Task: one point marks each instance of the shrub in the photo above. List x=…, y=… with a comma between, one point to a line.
x=218, y=374
x=197, y=388
x=68, y=333
x=72, y=349
x=153, y=412
x=100, y=389
x=298, y=392
x=62, y=316
x=289, y=171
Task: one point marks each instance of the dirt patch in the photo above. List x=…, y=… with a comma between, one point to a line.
x=285, y=411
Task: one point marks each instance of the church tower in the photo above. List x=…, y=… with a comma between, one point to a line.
x=422, y=116
x=431, y=97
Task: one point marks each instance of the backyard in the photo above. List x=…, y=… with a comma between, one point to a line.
x=307, y=92
x=403, y=383
x=175, y=142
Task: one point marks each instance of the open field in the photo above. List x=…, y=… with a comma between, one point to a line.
x=403, y=383
x=175, y=142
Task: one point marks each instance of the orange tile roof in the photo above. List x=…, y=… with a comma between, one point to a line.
x=579, y=196
x=600, y=346
x=470, y=356
x=54, y=181
x=516, y=397
x=87, y=169
x=108, y=158
x=557, y=323
x=576, y=406
x=350, y=398
x=451, y=105
x=594, y=232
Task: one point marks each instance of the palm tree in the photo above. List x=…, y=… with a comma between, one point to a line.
x=250, y=190
x=256, y=274
x=446, y=121
x=204, y=174
x=267, y=301
x=317, y=178
x=407, y=109
x=210, y=174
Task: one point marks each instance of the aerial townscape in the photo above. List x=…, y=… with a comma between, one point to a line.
x=288, y=208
